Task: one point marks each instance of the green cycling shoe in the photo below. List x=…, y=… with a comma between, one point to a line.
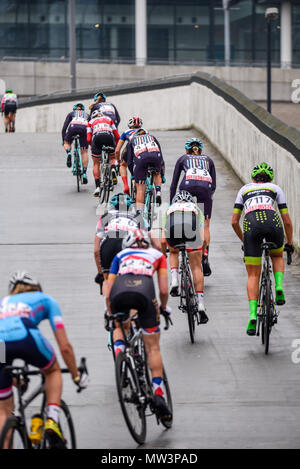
x=280, y=298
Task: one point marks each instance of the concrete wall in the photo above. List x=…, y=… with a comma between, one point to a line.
x=238, y=138
x=36, y=78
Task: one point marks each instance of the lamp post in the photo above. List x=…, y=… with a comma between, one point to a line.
x=271, y=15
x=226, y=32
x=72, y=45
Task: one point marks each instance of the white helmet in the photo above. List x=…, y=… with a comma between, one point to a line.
x=182, y=196
x=22, y=277
x=131, y=240
x=96, y=113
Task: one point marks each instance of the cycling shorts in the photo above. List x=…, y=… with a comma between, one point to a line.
x=202, y=193
x=258, y=226
x=77, y=129
x=101, y=139
x=182, y=228
x=142, y=164
x=34, y=349
x=10, y=108
x=109, y=247
x=136, y=292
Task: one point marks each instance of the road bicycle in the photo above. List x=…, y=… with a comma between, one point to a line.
x=106, y=182
x=188, y=297
x=267, y=316
x=150, y=197
x=133, y=379
x=15, y=430
x=77, y=168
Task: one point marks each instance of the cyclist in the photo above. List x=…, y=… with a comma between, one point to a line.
x=261, y=221
x=76, y=124
x=101, y=132
x=20, y=314
x=133, y=124
x=131, y=286
x=200, y=181
x=9, y=105
x=183, y=222
x=108, y=109
x=144, y=151
x=113, y=226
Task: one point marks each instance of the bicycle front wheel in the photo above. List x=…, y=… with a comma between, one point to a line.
x=13, y=435
x=129, y=397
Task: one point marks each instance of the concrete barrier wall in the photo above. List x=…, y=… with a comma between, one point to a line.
x=244, y=133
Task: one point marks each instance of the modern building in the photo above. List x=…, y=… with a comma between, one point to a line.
x=150, y=31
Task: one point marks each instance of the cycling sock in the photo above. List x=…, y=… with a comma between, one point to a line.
x=97, y=182
x=119, y=346
x=253, y=308
x=158, y=386
x=84, y=169
x=53, y=411
x=174, y=275
x=278, y=280
x=200, y=296
x=158, y=188
x=68, y=151
x=205, y=254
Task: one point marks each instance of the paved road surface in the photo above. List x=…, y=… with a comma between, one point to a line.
x=226, y=392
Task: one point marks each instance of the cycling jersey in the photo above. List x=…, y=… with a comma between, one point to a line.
x=199, y=179
x=138, y=262
x=35, y=306
x=9, y=99
x=125, y=137
x=102, y=125
x=109, y=110
x=116, y=224
x=261, y=220
x=74, y=118
x=182, y=222
x=144, y=151
x=260, y=196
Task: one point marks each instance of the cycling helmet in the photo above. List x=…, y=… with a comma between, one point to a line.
x=182, y=196
x=193, y=142
x=9, y=90
x=135, y=237
x=262, y=172
x=22, y=277
x=135, y=122
x=120, y=199
x=96, y=113
x=77, y=105
x=96, y=96
x=140, y=132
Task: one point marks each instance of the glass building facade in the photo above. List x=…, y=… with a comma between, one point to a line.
x=178, y=31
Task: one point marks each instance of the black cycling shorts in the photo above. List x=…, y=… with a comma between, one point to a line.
x=136, y=292
x=182, y=227
x=10, y=108
x=100, y=140
x=260, y=226
x=109, y=247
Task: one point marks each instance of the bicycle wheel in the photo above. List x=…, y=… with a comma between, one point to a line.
x=128, y=392
x=189, y=306
x=267, y=316
x=132, y=190
x=14, y=434
x=78, y=169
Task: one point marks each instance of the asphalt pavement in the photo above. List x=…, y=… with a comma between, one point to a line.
x=226, y=392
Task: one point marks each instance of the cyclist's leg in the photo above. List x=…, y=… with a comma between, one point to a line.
x=67, y=144
x=12, y=117
x=6, y=395
x=6, y=120
x=140, y=194
x=123, y=171
x=276, y=235
x=96, y=174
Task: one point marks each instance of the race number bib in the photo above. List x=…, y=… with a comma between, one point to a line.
x=102, y=127
x=261, y=202
x=107, y=108
x=121, y=224
x=198, y=174
x=182, y=207
x=136, y=266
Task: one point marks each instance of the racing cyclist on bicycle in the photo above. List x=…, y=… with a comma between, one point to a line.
x=108, y=109
x=133, y=124
x=131, y=286
x=183, y=222
x=113, y=226
x=200, y=181
x=101, y=132
x=9, y=105
x=20, y=314
x=261, y=221
x=144, y=151
x=76, y=124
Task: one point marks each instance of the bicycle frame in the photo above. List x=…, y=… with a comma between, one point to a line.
x=150, y=190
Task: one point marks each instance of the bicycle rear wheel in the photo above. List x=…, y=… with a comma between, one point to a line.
x=168, y=399
x=189, y=306
x=14, y=434
x=78, y=169
x=66, y=427
x=128, y=392
x=267, y=316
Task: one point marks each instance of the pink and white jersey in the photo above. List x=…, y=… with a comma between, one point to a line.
x=8, y=98
x=138, y=262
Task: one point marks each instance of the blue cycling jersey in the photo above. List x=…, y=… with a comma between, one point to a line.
x=127, y=134
x=35, y=306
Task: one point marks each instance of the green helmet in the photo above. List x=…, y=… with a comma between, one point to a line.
x=262, y=172
x=9, y=90
x=120, y=199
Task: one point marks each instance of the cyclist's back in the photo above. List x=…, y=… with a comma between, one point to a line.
x=108, y=109
x=144, y=151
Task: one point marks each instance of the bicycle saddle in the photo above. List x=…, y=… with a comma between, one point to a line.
x=152, y=170
x=268, y=245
